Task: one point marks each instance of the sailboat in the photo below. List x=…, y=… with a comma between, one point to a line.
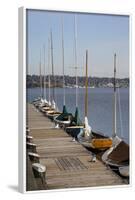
x=53, y=110
x=44, y=82
x=44, y=103
x=65, y=118
x=91, y=140
x=48, y=106
x=39, y=102
x=76, y=123
x=118, y=154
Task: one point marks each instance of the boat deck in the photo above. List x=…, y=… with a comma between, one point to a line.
x=68, y=163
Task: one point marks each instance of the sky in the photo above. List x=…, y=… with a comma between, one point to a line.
x=103, y=35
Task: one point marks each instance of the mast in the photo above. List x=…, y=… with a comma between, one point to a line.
x=88, y=129
x=40, y=75
x=77, y=120
x=75, y=38
x=64, y=101
x=53, y=94
x=49, y=70
x=114, y=109
x=86, y=86
x=44, y=84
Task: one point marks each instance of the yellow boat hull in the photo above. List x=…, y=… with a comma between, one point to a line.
x=101, y=143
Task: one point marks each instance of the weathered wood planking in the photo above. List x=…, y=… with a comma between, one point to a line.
x=67, y=162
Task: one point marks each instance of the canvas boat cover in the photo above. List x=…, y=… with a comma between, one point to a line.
x=65, y=115
x=76, y=120
x=120, y=153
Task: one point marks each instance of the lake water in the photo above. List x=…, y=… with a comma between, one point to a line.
x=100, y=107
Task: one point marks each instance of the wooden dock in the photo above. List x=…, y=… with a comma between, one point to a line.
x=68, y=163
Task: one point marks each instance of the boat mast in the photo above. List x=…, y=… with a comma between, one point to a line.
x=88, y=129
x=114, y=112
x=64, y=101
x=86, y=86
x=75, y=35
x=49, y=70
x=44, y=93
x=53, y=94
x=40, y=75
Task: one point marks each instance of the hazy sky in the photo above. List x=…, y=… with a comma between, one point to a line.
x=102, y=35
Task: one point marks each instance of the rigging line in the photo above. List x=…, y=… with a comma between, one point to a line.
x=120, y=114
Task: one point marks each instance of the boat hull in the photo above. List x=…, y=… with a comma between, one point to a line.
x=74, y=130
x=97, y=145
x=53, y=115
x=95, y=142
x=124, y=171
x=117, y=156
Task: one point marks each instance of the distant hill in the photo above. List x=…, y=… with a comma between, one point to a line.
x=34, y=81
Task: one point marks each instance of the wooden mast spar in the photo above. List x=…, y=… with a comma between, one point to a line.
x=86, y=86
x=114, y=111
x=40, y=76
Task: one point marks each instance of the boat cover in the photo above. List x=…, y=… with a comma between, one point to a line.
x=65, y=115
x=76, y=120
x=120, y=153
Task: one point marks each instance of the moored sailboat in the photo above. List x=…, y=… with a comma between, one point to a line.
x=39, y=102
x=53, y=110
x=65, y=118
x=91, y=140
x=49, y=105
x=118, y=154
x=76, y=124
x=44, y=102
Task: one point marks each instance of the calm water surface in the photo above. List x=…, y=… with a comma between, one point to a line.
x=100, y=107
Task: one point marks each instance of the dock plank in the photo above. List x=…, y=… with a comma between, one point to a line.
x=68, y=163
